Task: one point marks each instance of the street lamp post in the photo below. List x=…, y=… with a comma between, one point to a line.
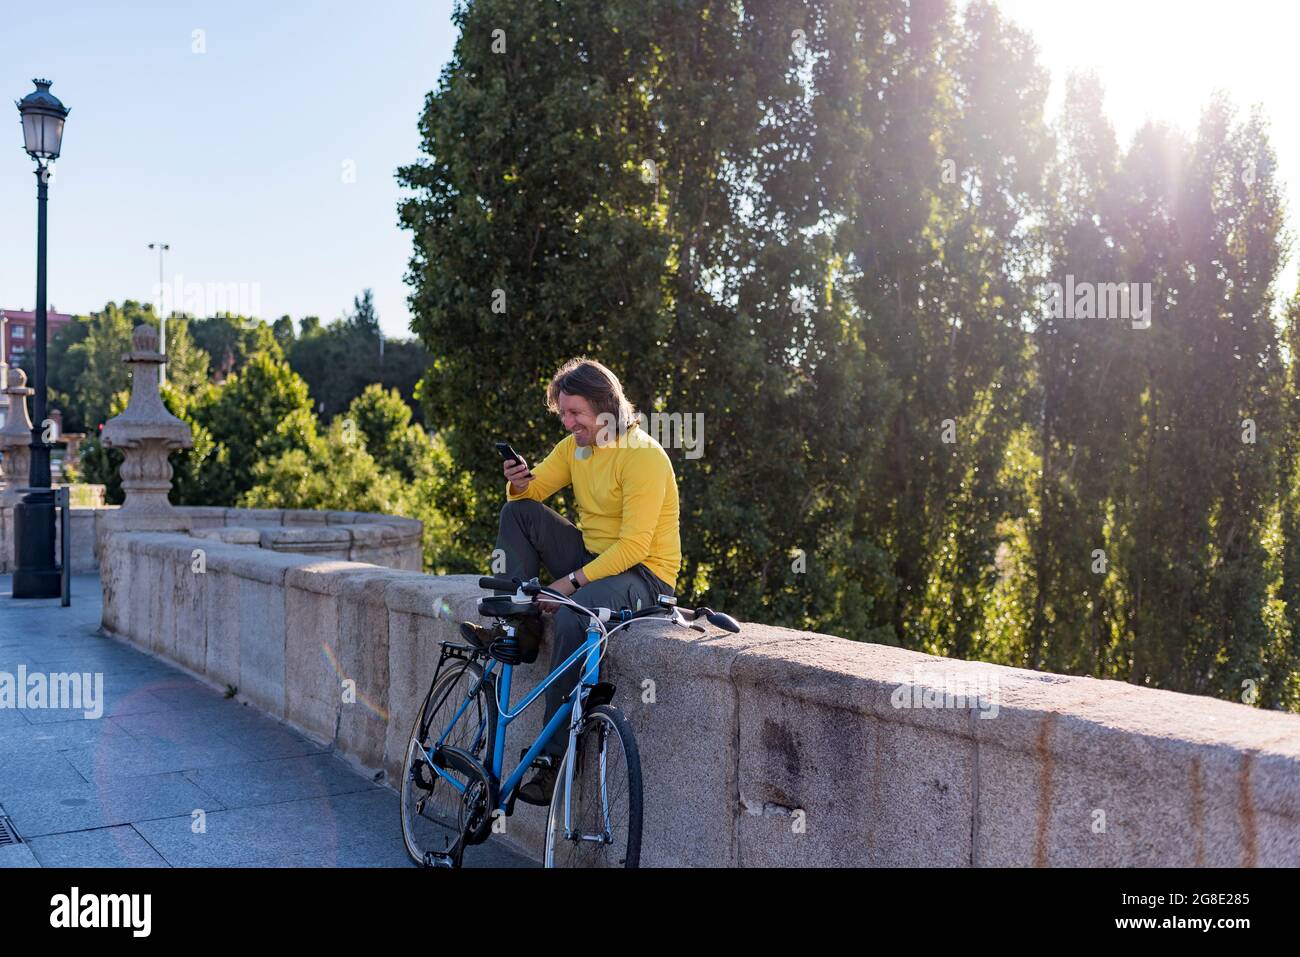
x=36, y=575
x=162, y=321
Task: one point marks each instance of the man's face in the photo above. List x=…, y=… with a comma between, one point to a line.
x=579, y=418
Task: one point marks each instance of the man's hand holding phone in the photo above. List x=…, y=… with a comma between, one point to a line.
x=518, y=475
x=515, y=468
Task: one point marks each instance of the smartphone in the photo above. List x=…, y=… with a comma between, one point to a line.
x=510, y=455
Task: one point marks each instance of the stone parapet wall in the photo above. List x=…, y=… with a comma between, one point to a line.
x=771, y=747
x=87, y=503
x=85, y=533
x=387, y=540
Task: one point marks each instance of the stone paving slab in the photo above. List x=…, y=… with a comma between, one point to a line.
x=27, y=738
x=23, y=773
x=490, y=854
x=120, y=846
x=279, y=779
x=124, y=758
x=12, y=719
x=17, y=855
x=56, y=809
x=122, y=790
x=360, y=821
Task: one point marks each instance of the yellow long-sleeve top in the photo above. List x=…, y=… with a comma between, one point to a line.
x=627, y=503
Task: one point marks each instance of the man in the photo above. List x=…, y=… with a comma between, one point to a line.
x=628, y=551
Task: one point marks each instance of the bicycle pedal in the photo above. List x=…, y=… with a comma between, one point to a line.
x=541, y=761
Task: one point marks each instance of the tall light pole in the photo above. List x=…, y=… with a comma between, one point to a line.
x=36, y=575
x=162, y=320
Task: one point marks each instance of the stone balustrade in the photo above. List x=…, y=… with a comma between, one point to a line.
x=356, y=536
x=146, y=434
x=15, y=441
x=771, y=747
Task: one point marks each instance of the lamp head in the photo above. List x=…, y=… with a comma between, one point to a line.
x=42, y=117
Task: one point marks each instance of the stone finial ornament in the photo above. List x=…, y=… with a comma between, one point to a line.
x=16, y=437
x=146, y=433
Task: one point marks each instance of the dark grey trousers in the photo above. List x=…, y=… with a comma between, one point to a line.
x=533, y=534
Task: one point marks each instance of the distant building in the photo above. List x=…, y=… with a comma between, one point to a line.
x=18, y=331
x=18, y=337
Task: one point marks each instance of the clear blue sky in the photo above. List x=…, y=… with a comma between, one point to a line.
x=234, y=156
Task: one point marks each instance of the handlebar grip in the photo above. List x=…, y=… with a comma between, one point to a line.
x=498, y=584
x=725, y=622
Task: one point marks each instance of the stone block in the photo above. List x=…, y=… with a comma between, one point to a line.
x=313, y=698
x=824, y=780
x=344, y=518
x=222, y=600
x=254, y=516
x=262, y=645
x=304, y=516
x=204, y=516
x=232, y=535
x=362, y=652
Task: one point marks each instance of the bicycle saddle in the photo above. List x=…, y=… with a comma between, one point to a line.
x=502, y=606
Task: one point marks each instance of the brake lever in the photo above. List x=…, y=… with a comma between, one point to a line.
x=677, y=618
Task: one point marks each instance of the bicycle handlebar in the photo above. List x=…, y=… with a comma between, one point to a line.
x=716, y=618
x=498, y=584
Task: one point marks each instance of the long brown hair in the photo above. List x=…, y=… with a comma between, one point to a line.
x=595, y=383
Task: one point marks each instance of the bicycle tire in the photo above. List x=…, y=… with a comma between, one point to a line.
x=602, y=725
x=435, y=815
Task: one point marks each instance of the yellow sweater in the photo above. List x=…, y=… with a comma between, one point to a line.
x=627, y=503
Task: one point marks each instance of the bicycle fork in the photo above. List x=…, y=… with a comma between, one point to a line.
x=579, y=709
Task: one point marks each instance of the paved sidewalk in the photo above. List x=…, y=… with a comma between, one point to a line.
x=172, y=773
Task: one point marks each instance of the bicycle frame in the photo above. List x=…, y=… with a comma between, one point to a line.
x=589, y=650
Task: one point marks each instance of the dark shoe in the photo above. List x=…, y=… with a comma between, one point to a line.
x=476, y=635
x=538, y=791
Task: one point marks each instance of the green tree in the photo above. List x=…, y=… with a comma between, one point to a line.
x=187, y=364
x=383, y=421
x=100, y=464
x=86, y=370
x=363, y=318
x=336, y=471
x=1281, y=687
x=744, y=234
x=282, y=330
x=257, y=414
x=97, y=359
x=330, y=472
x=839, y=256
x=340, y=360
x=230, y=341
x=64, y=365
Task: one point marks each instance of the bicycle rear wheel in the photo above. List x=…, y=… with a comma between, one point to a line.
x=605, y=804
x=435, y=814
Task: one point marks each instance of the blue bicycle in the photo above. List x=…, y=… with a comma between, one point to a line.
x=451, y=786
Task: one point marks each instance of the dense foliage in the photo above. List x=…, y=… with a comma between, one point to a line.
x=828, y=227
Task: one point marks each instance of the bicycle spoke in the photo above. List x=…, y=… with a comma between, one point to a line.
x=601, y=805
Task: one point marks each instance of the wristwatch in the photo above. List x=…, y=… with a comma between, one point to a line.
x=573, y=580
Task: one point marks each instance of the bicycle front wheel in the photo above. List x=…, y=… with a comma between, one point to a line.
x=597, y=822
x=435, y=813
